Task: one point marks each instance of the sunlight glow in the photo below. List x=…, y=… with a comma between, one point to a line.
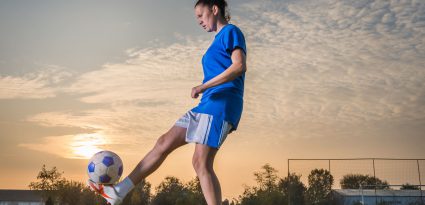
x=84, y=146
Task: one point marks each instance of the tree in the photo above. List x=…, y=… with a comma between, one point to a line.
x=267, y=179
x=49, y=180
x=172, y=192
x=194, y=186
x=320, y=183
x=266, y=192
x=57, y=190
x=408, y=186
x=69, y=192
x=353, y=181
x=293, y=189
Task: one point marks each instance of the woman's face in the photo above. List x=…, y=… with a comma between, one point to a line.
x=206, y=17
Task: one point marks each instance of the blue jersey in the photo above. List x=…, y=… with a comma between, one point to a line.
x=224, y=101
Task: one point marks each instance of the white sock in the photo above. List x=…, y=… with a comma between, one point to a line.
x=124, y=187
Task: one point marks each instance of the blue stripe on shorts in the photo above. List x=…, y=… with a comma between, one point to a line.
x=204, y=129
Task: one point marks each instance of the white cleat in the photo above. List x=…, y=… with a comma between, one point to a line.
x=106, y=191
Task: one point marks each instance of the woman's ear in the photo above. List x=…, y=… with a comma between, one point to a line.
x=215, y=10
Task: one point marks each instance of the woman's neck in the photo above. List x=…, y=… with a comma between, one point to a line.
x=220, y=24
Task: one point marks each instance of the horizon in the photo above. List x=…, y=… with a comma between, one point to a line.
x=394, y=178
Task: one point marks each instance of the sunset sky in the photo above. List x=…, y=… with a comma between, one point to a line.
x=325, y=79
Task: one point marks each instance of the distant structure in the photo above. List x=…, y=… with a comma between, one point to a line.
x=369, y=197
x=20, y=197
x=398, y=175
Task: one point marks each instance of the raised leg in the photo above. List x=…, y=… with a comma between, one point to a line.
x=167, y=143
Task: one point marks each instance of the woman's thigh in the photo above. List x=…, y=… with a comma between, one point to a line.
x=172, y=139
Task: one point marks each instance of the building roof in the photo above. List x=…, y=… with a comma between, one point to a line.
x=371, y=192
x=20, y=195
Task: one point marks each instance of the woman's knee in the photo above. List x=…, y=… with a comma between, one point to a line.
x=201, y=164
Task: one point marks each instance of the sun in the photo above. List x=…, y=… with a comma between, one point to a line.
x=84, y=146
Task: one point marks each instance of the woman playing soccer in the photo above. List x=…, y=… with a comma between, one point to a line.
x=208, y=124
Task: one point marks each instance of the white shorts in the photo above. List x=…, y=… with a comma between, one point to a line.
x=204, y=129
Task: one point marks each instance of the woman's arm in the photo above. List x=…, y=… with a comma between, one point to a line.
x=237, y=68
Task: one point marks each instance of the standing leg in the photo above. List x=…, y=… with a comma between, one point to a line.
x=203, y=161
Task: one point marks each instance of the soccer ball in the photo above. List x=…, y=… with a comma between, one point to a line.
x=105, y=167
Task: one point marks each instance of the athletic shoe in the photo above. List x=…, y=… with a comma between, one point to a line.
x=106, y=191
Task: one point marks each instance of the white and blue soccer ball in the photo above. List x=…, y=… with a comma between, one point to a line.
x=105, y=167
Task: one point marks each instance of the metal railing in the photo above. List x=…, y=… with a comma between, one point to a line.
x=392, y=194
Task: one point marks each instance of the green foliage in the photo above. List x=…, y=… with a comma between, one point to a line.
x=168, y=192
x=269, y=190
x=320, y=183
x=194, y=186
x=293, y=189
x=266, y=192
x=267, y=179
x=353, y=181
x=408, y=186
x=255, y=196
x=48, y=180
x=173, y=192
x=140, y=195
x=69, y=192
x=57, y=190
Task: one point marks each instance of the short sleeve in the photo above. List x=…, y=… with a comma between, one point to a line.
x=233, y=39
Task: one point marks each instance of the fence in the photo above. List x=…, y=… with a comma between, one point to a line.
x=396, y=172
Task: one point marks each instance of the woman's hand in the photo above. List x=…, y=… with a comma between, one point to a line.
x=197, y=90
x=235, y=70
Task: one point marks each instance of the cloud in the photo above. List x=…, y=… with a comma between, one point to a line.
x=318, y=69
x=322, y=69
x=138, y=99
x=79, y=146
x=37, y=85
x=150, y=74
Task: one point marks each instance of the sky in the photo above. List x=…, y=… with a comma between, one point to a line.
x=325, y=79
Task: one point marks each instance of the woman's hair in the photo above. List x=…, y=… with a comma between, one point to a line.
x=221, y=4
